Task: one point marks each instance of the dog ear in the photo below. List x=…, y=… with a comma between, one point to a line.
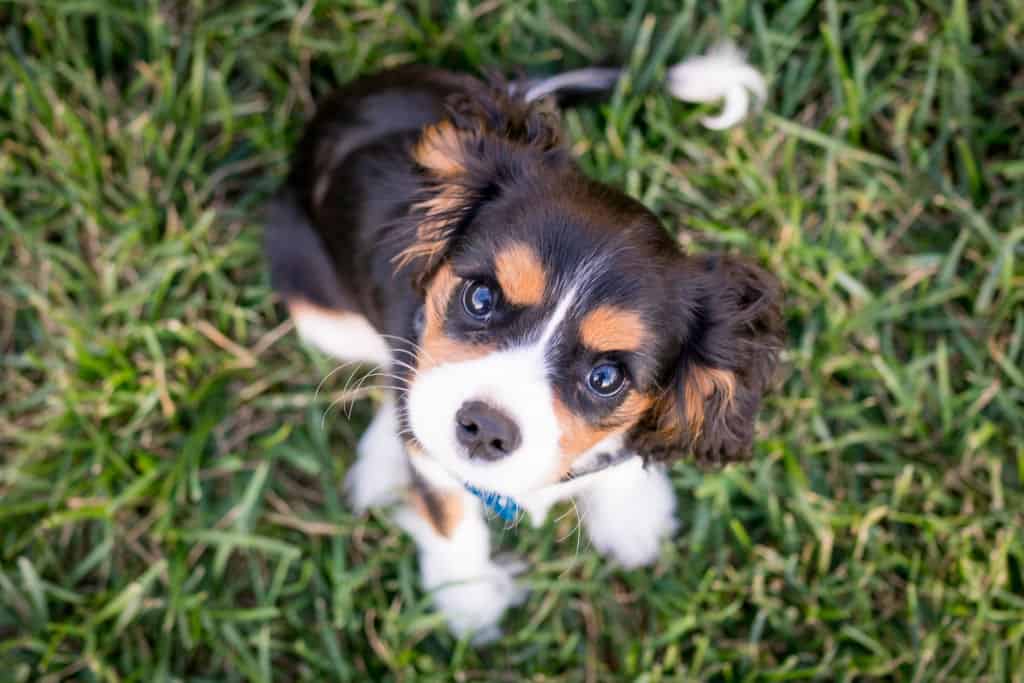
x=489, y=140
x=730, y=338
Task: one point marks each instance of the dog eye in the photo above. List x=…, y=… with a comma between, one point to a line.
x=606, y=379
x=479, y=300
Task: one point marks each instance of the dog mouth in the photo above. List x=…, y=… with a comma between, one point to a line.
x=504, y=505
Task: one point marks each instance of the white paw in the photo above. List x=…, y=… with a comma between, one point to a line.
x=635, y=546
x=468, y=587
x=474, y=606
x=627, y=516
x=380, y=474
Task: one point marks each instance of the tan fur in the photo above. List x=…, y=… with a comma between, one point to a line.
x=442, y=509
x=437, y=347
x=439, y=291
x=701, y=384
x=579, y=435
x=439, y=150
x=609, y=328
x=430, y=232
x=443, y=349
x=299, y=307
x=520, y=274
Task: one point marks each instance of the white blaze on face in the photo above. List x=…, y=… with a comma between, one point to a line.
x=514, y=381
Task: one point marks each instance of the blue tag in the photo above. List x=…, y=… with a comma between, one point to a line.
x=503, y=506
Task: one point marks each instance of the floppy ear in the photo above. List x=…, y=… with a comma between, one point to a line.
x=489, y=140
x=733, y=332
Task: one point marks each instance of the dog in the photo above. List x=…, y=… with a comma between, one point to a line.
x=544, y=335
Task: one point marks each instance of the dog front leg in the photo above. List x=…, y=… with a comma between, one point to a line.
x=467, y=586
x=380, y=474
x=628, y=511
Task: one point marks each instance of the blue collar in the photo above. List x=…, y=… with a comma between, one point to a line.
x=507, y=508
x=503, y=506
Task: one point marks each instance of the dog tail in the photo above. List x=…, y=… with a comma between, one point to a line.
x=722, y=74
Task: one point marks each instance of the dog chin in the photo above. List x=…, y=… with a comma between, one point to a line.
x=512, y=478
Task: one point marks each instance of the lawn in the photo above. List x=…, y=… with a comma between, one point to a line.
x=170, y=501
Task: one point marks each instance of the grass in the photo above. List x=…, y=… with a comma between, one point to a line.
x=170, y=505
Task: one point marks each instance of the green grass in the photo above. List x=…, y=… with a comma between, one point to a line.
x=170, y=506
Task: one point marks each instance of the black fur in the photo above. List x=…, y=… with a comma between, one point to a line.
x=343, y=232
x=732, y=321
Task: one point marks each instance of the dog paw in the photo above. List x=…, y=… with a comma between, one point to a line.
x=512, y=566
x=475, y=606
x=628, y=518
x=637, y=547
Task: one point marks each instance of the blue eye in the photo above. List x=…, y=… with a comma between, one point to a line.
x=606, y=379
x=479, y=300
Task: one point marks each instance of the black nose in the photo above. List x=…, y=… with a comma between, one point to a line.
x=485, y=432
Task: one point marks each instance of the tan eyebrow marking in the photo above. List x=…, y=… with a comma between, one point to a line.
x=520, y=274
x=609, y=328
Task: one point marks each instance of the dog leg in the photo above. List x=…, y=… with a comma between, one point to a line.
x=628, y=511
x=467, y=586
x=380, y=474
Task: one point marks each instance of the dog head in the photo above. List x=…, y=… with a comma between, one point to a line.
x=560, y=319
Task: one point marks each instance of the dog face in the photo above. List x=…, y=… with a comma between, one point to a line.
x=560, y=318
x=537, y=343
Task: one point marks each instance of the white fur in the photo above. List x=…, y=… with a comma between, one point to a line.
x=469, y=588
x=538, y=503
x=722, y=74
x=628, y=510
x=347, y=336
x=380, y=473
x=514, y=381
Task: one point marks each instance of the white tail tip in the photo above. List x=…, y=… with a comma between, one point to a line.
x=721, y=74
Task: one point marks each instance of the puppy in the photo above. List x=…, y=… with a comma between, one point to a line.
x=544, y=334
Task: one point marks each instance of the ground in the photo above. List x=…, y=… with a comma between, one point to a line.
x=170, y=475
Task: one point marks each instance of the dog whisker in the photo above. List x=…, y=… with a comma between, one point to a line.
x=410, y=368
x=348, y=395
x=577, y=526
x=562, y=516
x=352, y=403
x=418, y=348
x=352, y=378
x=327, y=410
x=524, y=312
x=389, y=387
x=316, y=394
x=397, y=378
x=579, y=534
